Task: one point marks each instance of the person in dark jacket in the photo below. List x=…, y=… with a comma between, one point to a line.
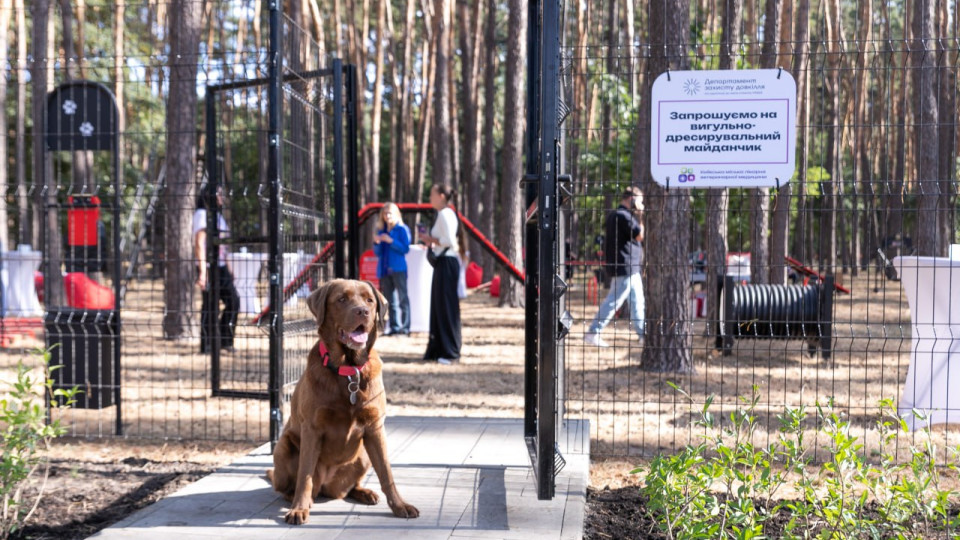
x=623, y=255
x=391, y=243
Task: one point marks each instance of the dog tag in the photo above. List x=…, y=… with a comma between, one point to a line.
x=353, y=386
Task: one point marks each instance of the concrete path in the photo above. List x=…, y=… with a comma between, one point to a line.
x=469, y=477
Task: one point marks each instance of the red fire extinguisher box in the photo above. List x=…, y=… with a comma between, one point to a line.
x=82, y=218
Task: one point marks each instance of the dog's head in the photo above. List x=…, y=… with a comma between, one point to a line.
x=348, y=312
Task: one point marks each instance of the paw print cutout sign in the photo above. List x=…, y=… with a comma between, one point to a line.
x=81, y=115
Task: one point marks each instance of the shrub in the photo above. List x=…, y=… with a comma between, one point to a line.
x=726, y=486
x=26, y=434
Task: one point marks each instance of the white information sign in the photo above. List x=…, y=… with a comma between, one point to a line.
x=723, y=128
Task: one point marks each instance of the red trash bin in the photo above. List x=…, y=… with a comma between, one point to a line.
x=368, y=267
x=82, y=218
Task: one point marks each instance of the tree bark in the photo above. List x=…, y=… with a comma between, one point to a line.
x=6, y=12
x=426, y=112
x=801, y=71
x=718, y=199
x=827, y=243
x=23, y=196
x=470, y=28
x=376, y=115
x=511, y=222
x=491, y=187
x=73, y=62
x=45, y=193
x=760, y=263
x=441, y=162
x=668, y=326
x=405, y=158
x=180, y=264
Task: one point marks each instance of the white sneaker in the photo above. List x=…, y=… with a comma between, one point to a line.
x=591, y=338
x=444, y=361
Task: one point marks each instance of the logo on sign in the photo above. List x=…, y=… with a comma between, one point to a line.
x=691, y=87
x=686, y=175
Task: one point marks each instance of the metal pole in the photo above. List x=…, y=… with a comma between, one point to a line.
x=274, y=222
x=353, y=195
x=547, y=208
x=209, y=196
x=117, y=187
x=339, y=255
x=530, y=229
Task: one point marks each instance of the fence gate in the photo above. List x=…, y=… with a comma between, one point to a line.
x=545, y=328
x=304, y=196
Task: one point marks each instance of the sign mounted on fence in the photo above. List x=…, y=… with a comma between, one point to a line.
x=712, y=129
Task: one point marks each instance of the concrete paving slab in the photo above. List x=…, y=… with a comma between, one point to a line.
x=469, y=477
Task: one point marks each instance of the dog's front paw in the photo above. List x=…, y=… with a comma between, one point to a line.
x=297, y=516
x=404, y=510
x=363, y=496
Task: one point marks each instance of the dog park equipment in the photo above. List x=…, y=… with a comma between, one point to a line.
x=932, y=386
x=82, y=116
x=777, y=312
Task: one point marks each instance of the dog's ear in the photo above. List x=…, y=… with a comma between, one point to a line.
x=317, y=301
x=381, y=305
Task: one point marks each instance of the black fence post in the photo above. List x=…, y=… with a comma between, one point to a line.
x=274, y=222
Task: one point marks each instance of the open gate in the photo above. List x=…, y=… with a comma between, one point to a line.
x=303, y=199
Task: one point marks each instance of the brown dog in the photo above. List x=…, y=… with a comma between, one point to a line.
x=335, y=431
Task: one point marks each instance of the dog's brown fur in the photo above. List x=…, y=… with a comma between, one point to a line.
x=328, y=443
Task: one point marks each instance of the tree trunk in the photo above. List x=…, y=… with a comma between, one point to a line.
x=377, y=112
x=470, y=28
x=780, y=220
x=45, y=194
x=801, y=71
x=6, y=12
x=23, y=194
x=405, y=159
x=73, y=60
x=441, y=164
x=947, y=136
x=119, y=28
x=760, y=264
x=491, y=186
x=511, y=222
x=426, y=112
x=861, y=146
x=718, y=199
x=668, y=326
x=180, y=264
x=927, y=115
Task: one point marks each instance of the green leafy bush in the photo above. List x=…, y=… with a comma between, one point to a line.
x=26, y=434
x=727, y=486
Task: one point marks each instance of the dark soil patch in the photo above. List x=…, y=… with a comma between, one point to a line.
x=82, y=498
x=618, y=513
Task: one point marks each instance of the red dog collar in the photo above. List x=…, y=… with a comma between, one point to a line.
x=344, y=371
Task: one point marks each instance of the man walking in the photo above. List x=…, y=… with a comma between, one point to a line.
x=623, y=255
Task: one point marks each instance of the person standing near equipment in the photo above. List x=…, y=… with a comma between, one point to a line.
x=623, y=255
x=225, y=289
x=391, y=242
x=445, y=340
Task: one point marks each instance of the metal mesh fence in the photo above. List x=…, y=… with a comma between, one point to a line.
x=854, y=205
x=107, y=308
